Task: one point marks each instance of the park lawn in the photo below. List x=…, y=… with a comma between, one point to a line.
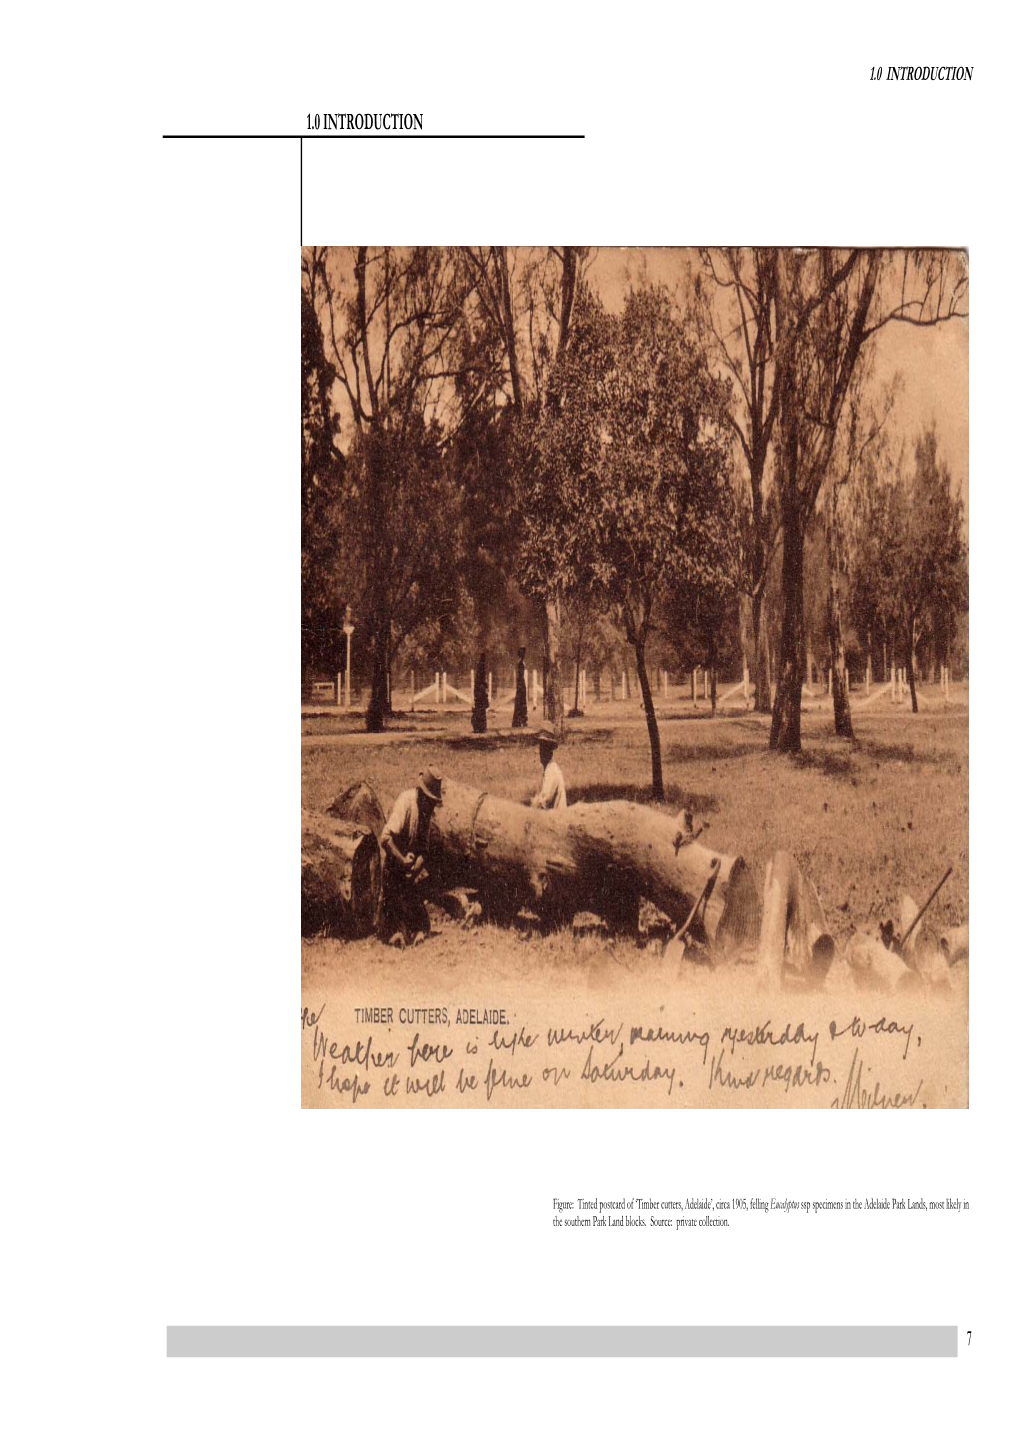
x=866, y=820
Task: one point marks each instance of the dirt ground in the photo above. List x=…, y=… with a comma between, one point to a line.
x=866, y=820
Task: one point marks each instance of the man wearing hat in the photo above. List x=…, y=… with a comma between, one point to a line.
x=552, y=794
x=404, y=843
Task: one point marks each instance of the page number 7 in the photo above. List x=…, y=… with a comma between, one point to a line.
x=968, y=1338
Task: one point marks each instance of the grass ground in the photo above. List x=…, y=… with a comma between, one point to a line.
x=866, y=820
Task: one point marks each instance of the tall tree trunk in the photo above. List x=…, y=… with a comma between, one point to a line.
x=785, y=733
x=480, y=699
x=837, y=651
x=388, y=682
x=551, y=665
x=658, y=794
x=762, y=679
x=910, y=667
x=376, y=713
x=510, y=333
x=577, y=679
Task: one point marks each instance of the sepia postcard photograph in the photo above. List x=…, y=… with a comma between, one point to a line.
x=634, y=677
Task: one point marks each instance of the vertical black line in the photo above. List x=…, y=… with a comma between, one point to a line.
x=301, y=188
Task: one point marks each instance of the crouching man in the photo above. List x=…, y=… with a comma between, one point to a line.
x=404, y=842
x=552, y=794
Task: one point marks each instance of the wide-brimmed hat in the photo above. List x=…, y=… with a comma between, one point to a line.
x=431, y=785
x=545, y=737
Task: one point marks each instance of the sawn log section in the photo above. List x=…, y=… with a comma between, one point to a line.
x=340, y=877
x=597, y=856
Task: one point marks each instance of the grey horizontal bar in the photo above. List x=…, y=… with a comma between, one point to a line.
x=561, y=1341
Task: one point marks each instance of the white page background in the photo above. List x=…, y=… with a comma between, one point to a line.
x=162, y=1171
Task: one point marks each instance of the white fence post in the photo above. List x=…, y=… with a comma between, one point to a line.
x=444, y=688
x=339, y=688
x=437, y=688
x=490, y=688
x=665, y=685
x=412, y=690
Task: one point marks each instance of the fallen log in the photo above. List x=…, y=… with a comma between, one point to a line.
x=341, y=875
x=593, y=856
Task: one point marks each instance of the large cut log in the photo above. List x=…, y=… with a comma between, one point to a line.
x=596, y=856
x=793, y=932
x=340, y=877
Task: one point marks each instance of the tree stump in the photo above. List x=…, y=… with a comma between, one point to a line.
x=341, y=875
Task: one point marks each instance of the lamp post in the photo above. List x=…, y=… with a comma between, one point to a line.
x=348, y=632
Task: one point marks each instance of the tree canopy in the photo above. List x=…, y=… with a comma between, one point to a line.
x=493, y=449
